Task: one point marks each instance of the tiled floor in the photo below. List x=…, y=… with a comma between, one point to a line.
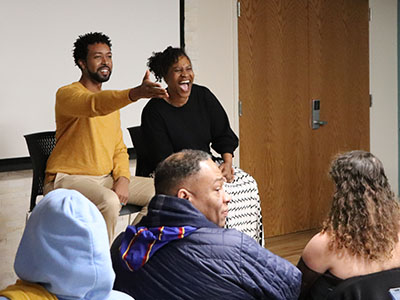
x=15, y=188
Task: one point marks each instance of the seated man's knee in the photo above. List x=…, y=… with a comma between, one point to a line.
x=109, y=204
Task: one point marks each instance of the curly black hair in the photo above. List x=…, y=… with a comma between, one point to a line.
x=80, y=50
x=160, y=62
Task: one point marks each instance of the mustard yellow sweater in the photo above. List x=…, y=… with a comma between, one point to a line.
x=23, y=290
x=88, y=133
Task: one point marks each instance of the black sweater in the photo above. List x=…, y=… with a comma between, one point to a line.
x=197, y=124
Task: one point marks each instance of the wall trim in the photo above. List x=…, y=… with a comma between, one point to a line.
x=24, y=163
x=15, y=164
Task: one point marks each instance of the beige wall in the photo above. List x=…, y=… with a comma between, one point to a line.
x=383, y=86
x=211, y=41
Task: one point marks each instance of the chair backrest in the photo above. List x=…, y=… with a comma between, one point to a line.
x=40, y=146
x=143, y=162
x=373, y=286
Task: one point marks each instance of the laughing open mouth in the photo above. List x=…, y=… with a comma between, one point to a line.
x=184, y=85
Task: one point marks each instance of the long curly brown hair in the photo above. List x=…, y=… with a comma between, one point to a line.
x=365, y=213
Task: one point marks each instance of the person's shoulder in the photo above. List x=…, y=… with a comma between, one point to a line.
x=153, y=105
x=251, y=252
x=204, y=96
x=73, y=85
x=200, y=89
x=228, y=239
x=222, y=243
x=318, y=243
x=237, y=239
x=70, y=87
x=155, y=102
x=218, y=235
x=316, y=254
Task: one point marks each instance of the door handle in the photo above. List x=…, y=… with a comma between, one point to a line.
x=315, y=109
x=320, y=123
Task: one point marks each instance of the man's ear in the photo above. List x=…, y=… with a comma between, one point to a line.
x=184, y=194
x=82, y=64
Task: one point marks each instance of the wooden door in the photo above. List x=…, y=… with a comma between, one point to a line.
x=290, y=52
x=339, y=76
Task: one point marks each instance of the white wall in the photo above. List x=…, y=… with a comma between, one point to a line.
x=383, y=86
x=36, y=56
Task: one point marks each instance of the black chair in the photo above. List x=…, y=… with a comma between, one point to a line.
x=143, y=162
x=40, y=146
x=373, y=286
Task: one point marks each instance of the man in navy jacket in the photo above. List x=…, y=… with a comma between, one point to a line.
x=180, y=250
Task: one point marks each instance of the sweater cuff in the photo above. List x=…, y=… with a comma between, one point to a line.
x=125, y=174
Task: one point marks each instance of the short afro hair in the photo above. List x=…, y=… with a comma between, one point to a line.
x=81, y=44
x=160, y=62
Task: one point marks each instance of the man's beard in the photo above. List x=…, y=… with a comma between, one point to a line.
x=97, y=76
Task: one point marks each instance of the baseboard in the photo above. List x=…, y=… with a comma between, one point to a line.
x=15, y=164
x=24, y=163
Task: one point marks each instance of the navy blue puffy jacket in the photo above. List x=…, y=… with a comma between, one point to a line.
x=210, y=263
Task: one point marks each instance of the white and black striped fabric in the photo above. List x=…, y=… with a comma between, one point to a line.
x=245, y=209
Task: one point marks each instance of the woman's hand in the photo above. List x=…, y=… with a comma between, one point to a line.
x=226, y=167
x=227, y=171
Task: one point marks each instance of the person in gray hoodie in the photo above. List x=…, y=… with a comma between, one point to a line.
x=64, y=252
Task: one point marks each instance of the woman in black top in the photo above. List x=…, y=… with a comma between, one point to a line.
x=361, y=234
x=193, y=118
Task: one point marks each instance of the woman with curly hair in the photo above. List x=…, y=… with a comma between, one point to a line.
x=361, y=233
x=193, y=118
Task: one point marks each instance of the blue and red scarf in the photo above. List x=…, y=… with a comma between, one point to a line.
x=140, y=243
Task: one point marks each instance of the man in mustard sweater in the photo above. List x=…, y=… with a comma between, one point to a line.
x=90, y=155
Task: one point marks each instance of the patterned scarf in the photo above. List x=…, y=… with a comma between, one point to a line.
x=140, y=243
